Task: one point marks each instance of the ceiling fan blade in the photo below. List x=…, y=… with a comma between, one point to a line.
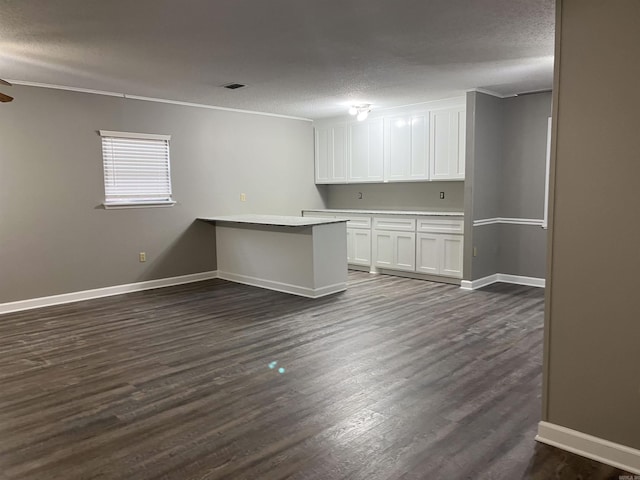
x=4, y=82
x=5, y=98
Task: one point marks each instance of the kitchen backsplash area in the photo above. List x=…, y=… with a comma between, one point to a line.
x=420, y=196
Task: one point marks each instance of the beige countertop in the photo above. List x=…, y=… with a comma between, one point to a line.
x=274, y=220
x=385, y=212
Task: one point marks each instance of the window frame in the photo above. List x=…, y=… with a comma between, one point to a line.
x=132, y=203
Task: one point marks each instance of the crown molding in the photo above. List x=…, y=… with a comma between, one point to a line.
x=152, y=99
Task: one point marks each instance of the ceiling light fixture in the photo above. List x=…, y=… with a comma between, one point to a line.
x=361, y=111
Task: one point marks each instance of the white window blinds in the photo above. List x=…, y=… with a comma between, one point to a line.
x=136, y=168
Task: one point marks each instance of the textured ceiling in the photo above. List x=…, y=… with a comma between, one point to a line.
x=298, y=57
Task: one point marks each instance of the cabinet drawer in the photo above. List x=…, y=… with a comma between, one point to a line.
x=398, y=224
x=439, y=225
x=356, y=222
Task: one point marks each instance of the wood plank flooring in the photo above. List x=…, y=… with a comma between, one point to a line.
x=394, y=379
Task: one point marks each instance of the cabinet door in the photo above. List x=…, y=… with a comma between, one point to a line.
x=451, y=256
x=404, y=246
x=428, y=253
x=338, y=170
x=366, y=151
x=383, y=249
x=406, y=150
x=360, y=241
x=350, y=250
x=419, y=166
x=322, y=154
x=331, y=154
x=447, y=144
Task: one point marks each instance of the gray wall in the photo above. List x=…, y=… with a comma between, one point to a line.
x=523, y=248
x=421, y=196
x=524, y=153
x=483, y=183
x=592, y=376
x=506, y=156
x=54, y=236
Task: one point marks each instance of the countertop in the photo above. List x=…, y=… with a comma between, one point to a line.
x=274, y=220
x=386, y=212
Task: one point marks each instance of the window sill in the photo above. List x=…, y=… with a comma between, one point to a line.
x=116, y=205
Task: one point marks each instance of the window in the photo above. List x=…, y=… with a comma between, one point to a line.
x=136, y=169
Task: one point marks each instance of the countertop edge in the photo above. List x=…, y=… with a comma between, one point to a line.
x=265, y=223
x=385, y=212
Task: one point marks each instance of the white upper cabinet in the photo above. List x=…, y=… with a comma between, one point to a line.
x=331, y=154
x=406, y=152
x=447, y=138
x=406, y=145
x=321, y=154
x=365, y=152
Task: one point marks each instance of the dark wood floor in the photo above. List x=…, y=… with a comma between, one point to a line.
x=393, y=379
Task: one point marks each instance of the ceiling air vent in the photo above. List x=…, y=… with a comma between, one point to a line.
x=234, y=86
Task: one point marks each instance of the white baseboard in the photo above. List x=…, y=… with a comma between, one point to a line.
x=520, y=280
x=103, y=292
x=502, y=277
x=481, y=282
x=283, y=287
x=595, y=448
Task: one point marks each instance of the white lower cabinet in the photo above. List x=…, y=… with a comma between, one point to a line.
x=439, y=254
x=359, y=247
x=422, y=244
x=451, y=252
x=405, y=251
x=394, y=250
x=427, y=253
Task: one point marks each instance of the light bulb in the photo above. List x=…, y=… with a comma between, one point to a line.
x=362, y=115
x=353, y=111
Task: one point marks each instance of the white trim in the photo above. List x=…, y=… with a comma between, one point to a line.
x=504, y=278
x=595, y=448
x=213, y=107
x=492, y=93
x=439, y=104
x=479, y=283
x=283, y=287
x=142, y=136
x=69, y=89
x=104, y=292
x=545, y=219
x=118, y=205
x=150, y=99
x=522, y=280
x=485, y=221
x=511, y=221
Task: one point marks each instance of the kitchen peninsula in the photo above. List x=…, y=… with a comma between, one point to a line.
x=298, y=255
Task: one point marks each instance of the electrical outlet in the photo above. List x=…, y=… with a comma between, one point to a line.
x=441, y=195
x=142, y=256
x=243, y=197
x=475, y=251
